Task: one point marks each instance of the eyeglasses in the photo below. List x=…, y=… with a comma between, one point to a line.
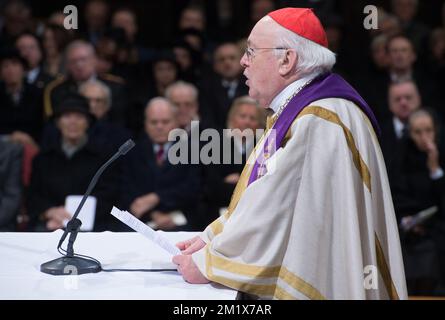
x=250, y=52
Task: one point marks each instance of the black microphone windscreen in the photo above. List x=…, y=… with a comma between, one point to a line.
x=126, y=147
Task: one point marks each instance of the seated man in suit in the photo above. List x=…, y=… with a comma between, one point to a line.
x=403, y=99
x=67, y=168
x=152, y=187
x=104, y=132
x=30, y=48
x=420, y=185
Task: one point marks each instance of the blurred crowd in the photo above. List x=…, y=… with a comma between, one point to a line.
x=69, y=98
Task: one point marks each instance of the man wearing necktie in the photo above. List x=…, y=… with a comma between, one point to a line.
x=153, y=188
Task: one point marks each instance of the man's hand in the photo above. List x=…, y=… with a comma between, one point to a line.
x=143, y=204
x=191, y=245
x=189, y=270
x=433, y=156
x=55, y=217
x=163, y=220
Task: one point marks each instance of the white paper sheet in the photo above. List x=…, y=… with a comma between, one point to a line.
x=137, y=225
x=86, y=215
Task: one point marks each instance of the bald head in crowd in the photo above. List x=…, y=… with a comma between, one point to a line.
x=184, y=96
x=403, y=99
x=160, y=119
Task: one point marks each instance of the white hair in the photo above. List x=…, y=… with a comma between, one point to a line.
x=312, y=57
x=157, y=100
x=99, y=84
x=181, y=84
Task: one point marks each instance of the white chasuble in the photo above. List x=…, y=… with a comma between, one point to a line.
x=319, y=224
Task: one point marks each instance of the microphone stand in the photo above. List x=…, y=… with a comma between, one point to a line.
x=71, y=264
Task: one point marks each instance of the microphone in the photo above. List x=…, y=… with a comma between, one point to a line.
x=127, y=146
x=70, y=262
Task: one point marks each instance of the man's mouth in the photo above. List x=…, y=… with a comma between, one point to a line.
x=247, y=79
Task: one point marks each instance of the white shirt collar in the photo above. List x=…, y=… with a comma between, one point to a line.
x=281, y=98
x=398, y=127
x=401, y=77
x=32, y=75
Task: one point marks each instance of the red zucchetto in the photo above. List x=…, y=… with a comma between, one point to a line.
x=303, y=22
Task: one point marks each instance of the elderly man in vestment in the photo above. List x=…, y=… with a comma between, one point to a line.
x=312, y=215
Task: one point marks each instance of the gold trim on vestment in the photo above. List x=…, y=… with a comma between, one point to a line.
x=281, y=272
x=333, y=117
x=384, y=270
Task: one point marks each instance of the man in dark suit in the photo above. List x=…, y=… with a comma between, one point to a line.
x=220, y=89
x=31, y=49
x=152, y=187
x=420, y=185
x=96, y=14
x=81, y=66
x=406, y=12
x=403, y=99
x=402, y=57
x=402, y=67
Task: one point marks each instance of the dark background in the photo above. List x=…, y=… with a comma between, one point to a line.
x=158, y=19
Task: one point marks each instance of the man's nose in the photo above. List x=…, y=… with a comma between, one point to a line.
x=243, y=62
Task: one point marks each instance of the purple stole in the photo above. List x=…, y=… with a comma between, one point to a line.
x=329, y=85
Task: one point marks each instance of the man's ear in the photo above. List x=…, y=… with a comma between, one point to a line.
x=288, y=63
